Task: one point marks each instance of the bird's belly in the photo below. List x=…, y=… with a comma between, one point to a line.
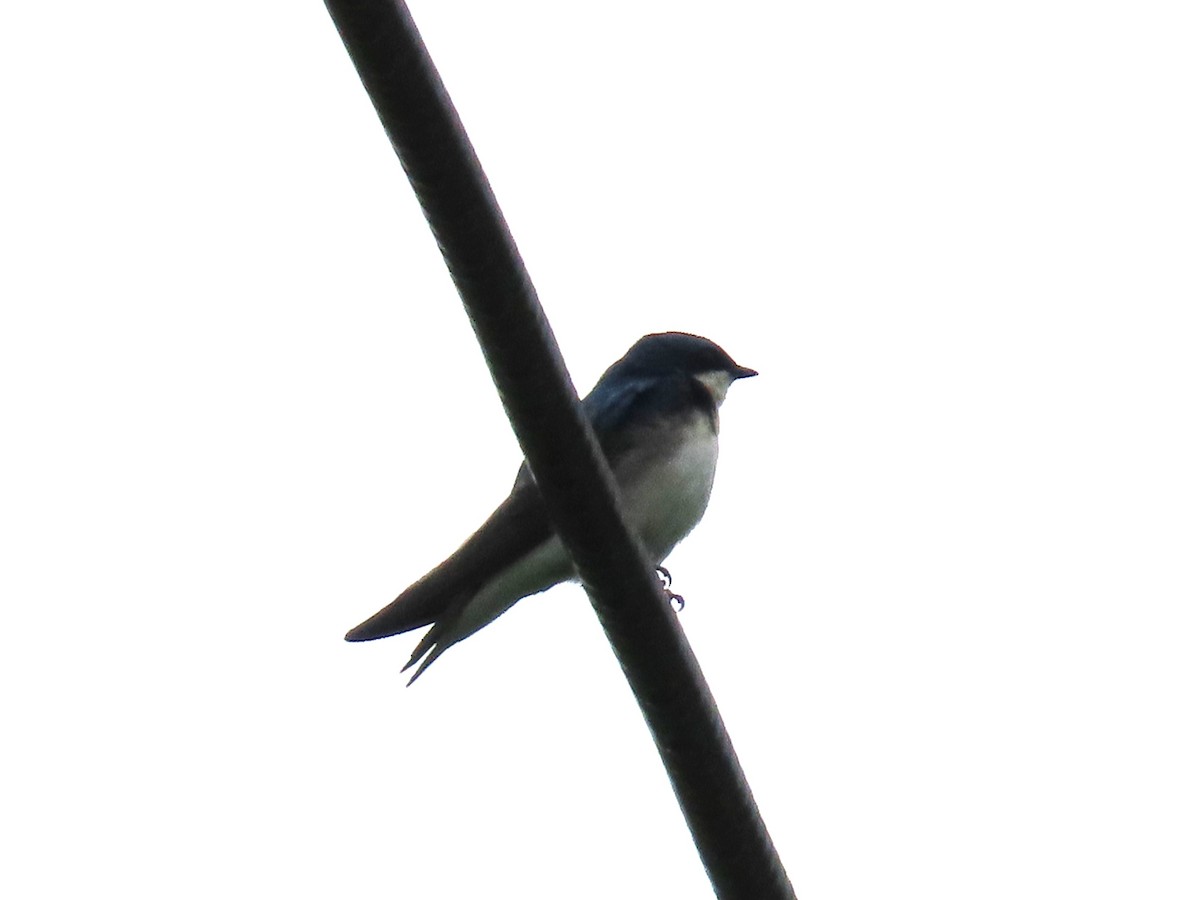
x=664, y=493
x=542, y=568
x=665, y=496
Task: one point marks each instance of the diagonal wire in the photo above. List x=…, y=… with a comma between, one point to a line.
x=562, y=452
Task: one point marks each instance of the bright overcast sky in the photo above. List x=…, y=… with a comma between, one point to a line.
x=947, y=593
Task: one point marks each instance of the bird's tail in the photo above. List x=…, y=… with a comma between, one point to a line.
x=421, y=604
x=429, y=644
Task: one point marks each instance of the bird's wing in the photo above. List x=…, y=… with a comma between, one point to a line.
x=517, y=526
x=614, y=408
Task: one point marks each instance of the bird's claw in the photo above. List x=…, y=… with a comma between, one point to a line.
x=672, y=597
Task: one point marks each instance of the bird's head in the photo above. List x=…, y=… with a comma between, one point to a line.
x=674, y=352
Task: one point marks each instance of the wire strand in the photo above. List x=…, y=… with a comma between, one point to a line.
x=562, y=452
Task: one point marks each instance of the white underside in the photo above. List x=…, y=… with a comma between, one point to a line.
x=664, y=497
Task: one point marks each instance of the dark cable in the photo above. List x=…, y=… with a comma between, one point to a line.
x=544, y=409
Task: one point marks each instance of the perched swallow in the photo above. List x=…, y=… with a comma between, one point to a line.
x=655, y=414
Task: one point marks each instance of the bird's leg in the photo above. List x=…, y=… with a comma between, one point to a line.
x=672, y=597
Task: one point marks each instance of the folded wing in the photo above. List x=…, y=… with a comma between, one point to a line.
x=517, y=526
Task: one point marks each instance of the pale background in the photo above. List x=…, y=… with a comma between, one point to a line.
x=947, y=590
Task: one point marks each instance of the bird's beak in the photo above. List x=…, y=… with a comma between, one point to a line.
x=743, y=372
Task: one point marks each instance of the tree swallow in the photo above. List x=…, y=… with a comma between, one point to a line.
x=655, y=414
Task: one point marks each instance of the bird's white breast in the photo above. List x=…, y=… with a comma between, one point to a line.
x=666, y=494
x=664, y=490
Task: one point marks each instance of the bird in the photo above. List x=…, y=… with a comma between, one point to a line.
x=655, y=415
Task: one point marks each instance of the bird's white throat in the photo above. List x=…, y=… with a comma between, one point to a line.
x=716, y=383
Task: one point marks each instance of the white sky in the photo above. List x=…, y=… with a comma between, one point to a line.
x=947, y=590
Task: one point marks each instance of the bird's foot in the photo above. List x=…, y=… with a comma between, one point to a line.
x=672, y=597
